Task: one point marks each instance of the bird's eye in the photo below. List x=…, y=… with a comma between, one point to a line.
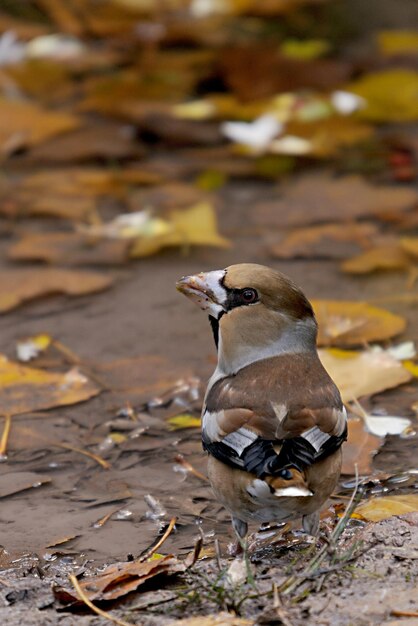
x=286, y=474
x=248, y=296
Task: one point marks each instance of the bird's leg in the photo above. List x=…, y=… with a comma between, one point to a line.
x=310, y=524
x=241, y=529
x=241, y=546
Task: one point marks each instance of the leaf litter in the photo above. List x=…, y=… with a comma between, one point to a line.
x=154, y=149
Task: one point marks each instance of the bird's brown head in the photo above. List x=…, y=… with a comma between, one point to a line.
x=253, y=307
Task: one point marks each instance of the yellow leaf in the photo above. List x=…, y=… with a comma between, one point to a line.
x=345, y=323
x=195, y=226
x=410, y=245
x=398, y=42
x=411, y=367
x=118, y=438
x=386, y=257
x=304, y=49
x=184, y=421
x=391, y=95
x=29, y=389
x=365, y=374
x=377, y=509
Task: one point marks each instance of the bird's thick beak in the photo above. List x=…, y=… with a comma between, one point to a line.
x=206, y=290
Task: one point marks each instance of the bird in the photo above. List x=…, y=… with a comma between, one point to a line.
x=273, y=422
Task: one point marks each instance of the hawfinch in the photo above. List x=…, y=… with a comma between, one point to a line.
x=273, y=421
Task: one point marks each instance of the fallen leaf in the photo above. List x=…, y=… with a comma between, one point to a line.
x=31, y=123
x=359, y=449
x=378, y=509
x=273, y=73
x=73, y=192
x=325, y=241
x=69, y=249
x=391, y=95
x=195, y=226
x=346, y=323
x=390, y=256
x=15, y=482
x=99, y=141
x=322, y=198
x=358, y=374
x=27, y=389
x=45, y=80
x=20, y=285
x=119, y=579
x=410, y=246
x=179, y=422
x=328, y=136
x=398, y=42
x=304, y=49
x=382, y=425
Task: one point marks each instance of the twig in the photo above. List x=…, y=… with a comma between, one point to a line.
x=189, y=467
x=66, y=446
x=105, y=464
x=74, y=359
x=102, y=521
x=82, y=596
x=5, y=435
x=397, y=613
x=279, y=608
x=160, y=542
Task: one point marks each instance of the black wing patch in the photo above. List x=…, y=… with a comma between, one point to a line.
x=261, y=459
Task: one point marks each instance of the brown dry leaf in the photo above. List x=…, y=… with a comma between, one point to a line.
x=377, y=509
x=43, y=79
x=14, y=482
x=69, y=249
x=104, y=141
x=359, y=449
x=317, y=198
x=346, y=323
x=120, y=579
x=410, y=246
x=27, y=124
x=325, y=241
x=27, y=389
x=329, y=135
x=273, y=73
x=390, y=256
x=72, y=193
x=20, y=285
x=358, y=374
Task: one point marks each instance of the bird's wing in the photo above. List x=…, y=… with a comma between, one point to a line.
x=265, y=429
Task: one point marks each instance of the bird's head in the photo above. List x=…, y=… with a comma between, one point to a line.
x=255, y=312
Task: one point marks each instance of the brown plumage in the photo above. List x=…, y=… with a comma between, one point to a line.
x=273, y=420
